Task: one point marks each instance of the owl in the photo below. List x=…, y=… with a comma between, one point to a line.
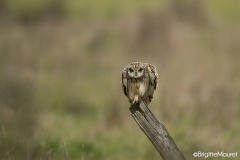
x=139, y=81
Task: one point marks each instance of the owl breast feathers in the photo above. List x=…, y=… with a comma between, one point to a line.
x=139, y=81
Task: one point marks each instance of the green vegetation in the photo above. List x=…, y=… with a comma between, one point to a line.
x=61, y=63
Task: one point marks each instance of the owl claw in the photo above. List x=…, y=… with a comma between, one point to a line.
x=135, y=102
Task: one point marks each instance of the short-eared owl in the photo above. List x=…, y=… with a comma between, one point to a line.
x=139, y=80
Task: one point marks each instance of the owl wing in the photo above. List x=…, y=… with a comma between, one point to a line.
x=153, y=75
x=124, y=81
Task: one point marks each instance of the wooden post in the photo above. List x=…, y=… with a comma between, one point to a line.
x=156, y=132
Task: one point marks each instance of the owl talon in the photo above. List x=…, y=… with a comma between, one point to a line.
x=150, y=98
x=134, y=102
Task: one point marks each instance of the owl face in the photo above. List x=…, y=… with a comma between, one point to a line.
x=135, y=69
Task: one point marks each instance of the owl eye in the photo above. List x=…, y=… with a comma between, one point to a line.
x=131, y=70
x=140, y=70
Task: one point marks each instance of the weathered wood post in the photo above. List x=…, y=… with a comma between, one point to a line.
x=156, y=132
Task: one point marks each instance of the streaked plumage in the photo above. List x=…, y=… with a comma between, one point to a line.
x=139, y=81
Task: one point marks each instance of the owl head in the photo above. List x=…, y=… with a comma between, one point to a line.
x=136, y=69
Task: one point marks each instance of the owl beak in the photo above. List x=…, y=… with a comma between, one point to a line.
x=135, y=74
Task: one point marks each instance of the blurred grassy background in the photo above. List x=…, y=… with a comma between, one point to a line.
x=61, y=63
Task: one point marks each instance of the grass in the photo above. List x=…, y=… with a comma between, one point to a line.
x=60, y=83
x=224, y=10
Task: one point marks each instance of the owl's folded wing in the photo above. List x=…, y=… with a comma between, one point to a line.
x=124, y=81
x=153, y=75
